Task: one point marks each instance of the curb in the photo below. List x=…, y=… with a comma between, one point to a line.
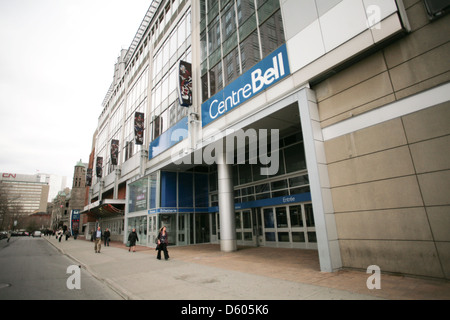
x=124, y=294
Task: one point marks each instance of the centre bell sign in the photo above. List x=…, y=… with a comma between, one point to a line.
x=266, y=73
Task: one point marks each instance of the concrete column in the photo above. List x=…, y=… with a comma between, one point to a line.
x=226, y=207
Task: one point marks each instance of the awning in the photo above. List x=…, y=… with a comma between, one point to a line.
x=106, y=208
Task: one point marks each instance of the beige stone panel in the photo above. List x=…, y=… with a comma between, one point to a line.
x=421, y=68
x=392, y=193
x=435, y=188
x=427, y=124
x=394, y=224
x=375, y=166
x=406, y=257
x=351, y=76
x=443, y=249
x=363, y=93
x=360, y=110
x=431, y=155
x=424, y=85
x=386, y=135
x=418, y=42
x=440, y=222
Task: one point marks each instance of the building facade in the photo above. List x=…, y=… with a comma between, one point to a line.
x=28, y=192
x=311, y=124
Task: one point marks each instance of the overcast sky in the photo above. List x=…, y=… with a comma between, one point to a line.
x=56, y=64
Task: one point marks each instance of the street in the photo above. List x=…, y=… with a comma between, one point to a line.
x=32, y=269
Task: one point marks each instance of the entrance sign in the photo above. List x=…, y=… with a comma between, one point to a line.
x=269, y=71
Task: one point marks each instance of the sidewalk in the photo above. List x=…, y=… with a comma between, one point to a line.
x=203, y=272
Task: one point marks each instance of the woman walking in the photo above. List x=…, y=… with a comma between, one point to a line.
x=132, y=237
x=163, y=241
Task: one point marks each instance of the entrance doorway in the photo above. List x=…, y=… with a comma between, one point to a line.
x=289, y=226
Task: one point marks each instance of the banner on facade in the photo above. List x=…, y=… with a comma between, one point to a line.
x=139, y=128
x=185, y=84
x=114, y=152
x=89, y=177
x=99, y=166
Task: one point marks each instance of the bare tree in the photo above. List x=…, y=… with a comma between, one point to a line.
x=9, y=210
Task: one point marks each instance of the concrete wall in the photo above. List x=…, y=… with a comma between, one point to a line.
x=390, y=181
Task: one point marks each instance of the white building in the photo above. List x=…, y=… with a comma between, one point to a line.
x=352, y=97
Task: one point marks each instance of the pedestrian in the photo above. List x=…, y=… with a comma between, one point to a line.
x=59, y=235
x=9, y=235
x=132, y=238
x=67, y=234
x=163, y=241
x=106, y=236
x=97, y=235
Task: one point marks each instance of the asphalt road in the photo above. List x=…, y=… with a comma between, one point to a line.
x=32, y=269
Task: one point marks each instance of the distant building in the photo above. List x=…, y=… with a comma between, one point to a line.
x=29, y=193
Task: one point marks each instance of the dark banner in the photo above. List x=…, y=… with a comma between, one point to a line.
x=185, y=84
x=99, y=166
x=89, y=177
x=114, y=152
x=139, y=128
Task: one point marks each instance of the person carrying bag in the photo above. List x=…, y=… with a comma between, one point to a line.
x=163, y=241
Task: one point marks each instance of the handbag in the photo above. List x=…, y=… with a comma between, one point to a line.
x=128, y=243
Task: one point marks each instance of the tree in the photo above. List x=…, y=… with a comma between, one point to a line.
x=9, y=208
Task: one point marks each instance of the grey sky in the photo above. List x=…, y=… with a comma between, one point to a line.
x=56, y=65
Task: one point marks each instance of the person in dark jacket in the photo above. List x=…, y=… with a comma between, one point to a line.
x=106, y=237
x=163, y=241
x=133, y=237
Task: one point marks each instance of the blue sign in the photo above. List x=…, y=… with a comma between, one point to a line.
x=169, y=138
x=269, y=71
x=285, y=200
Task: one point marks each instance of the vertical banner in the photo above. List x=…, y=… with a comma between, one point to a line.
x=75, y=222
x=89, y=177
x=185, y=84
x=114, y=152
x=98, y=167
x=139, y=128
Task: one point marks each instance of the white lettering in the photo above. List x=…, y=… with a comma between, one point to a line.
x=74, y=281
x=374, y=281
x=211, y=108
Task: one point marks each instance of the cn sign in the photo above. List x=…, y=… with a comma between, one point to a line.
x=9, y=175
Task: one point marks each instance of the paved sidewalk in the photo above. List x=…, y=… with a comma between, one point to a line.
x=203, y=272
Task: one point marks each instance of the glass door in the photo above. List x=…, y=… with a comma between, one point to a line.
x=170, y=222
x=244, y=228
x=289, y=226
x=184, y=229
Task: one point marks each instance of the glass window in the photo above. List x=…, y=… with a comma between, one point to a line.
x=270, y=236
x=283, y=236
x=312, y=237
x=216, y=79
x=309, y=215
x=250, y=54
x=272, y=33
x=238, y=220
x=295, y=158
x=298, y=237
x=282, y=184
x=247, y=219
x=268, y=218
x=299, y=181
x=231, y=63
x=282, y=221
x=295, y=213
